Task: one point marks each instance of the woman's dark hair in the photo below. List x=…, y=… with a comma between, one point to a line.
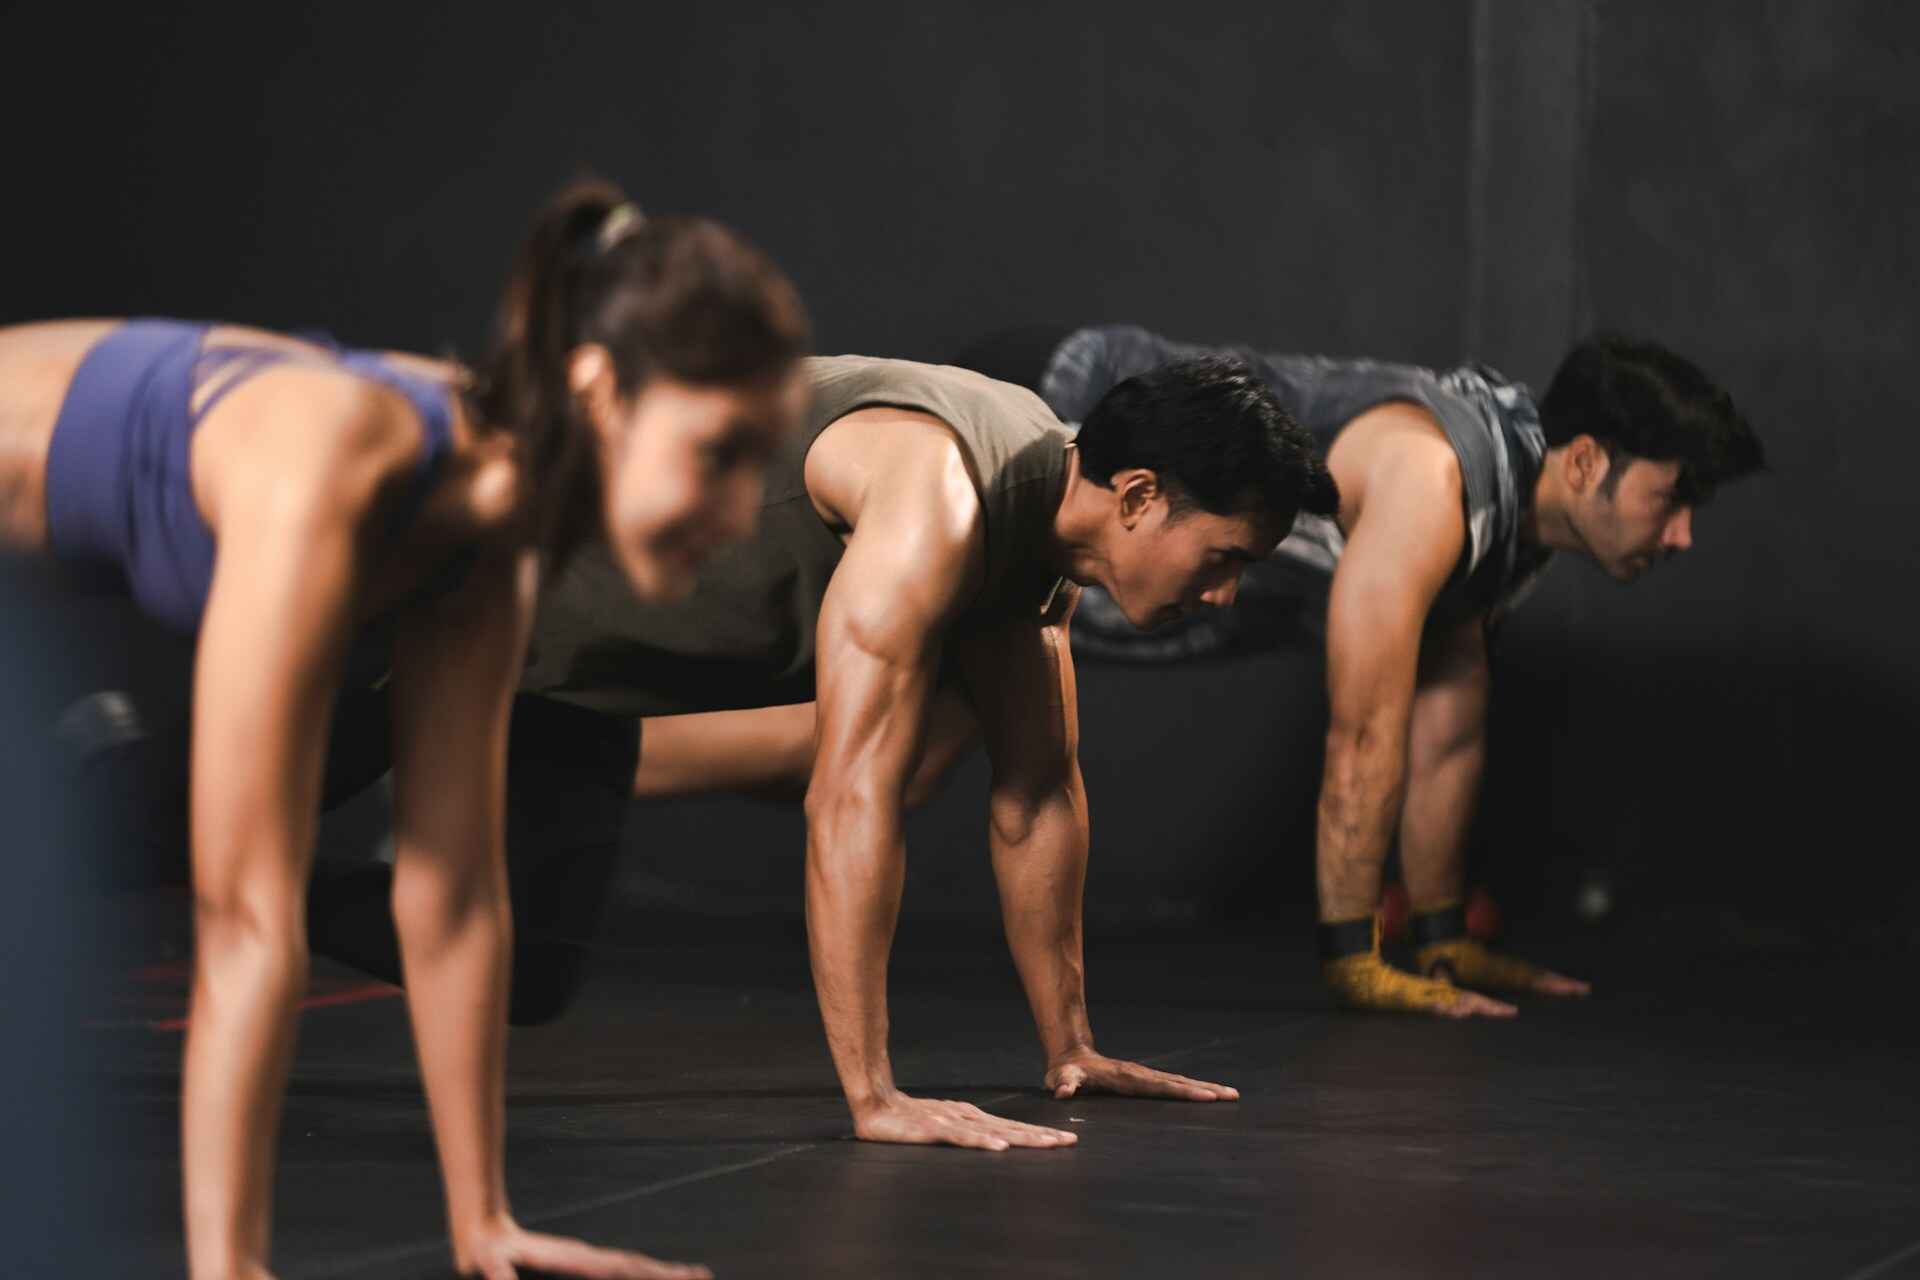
x=1215, y=436
x=684, y=297
x=1637, y=398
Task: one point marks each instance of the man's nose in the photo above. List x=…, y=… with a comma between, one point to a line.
x=1222, y=596
x=1679, y=532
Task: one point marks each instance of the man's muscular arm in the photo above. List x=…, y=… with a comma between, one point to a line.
x=913, y=555
x=1020, y=678
x=1447, y=750
x=1405, y=542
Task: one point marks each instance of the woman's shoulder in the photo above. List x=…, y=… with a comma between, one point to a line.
x=307, y=438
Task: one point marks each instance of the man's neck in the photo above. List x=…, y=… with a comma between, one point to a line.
x=1078, y=522
x=1545, y=523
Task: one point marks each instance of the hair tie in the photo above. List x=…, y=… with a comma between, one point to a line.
x=620, y=222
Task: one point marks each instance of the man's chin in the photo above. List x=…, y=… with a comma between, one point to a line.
x=1629, y=571
x=1149, y=618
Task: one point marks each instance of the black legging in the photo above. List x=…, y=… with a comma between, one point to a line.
x=569, y=782
x=109, y=725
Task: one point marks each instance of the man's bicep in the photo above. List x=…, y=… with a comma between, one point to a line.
x=1019, y=678
x=894, y=592
x=879, y=646
x=1394, y=566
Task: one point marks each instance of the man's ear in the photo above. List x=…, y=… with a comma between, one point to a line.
x=1587, y=464
x=1137, y=489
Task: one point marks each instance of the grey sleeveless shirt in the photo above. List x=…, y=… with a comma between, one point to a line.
x=745, y=638
x=1491, y=423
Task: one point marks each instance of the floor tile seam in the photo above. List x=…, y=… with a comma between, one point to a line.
x=1216, y=1043
x=401, y=1253
x=1885, y=1265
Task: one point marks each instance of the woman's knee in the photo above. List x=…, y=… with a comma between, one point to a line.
x=547, y=977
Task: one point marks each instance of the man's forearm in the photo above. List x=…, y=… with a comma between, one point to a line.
x=1446, y=742
x=856, y=858
x=1442, y=796
x=1360, y=796
x=1366, y=781
x=1040, y=862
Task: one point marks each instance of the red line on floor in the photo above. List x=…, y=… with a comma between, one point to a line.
x=351, y=995
x=164, y=971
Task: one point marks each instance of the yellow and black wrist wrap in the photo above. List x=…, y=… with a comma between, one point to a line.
x=1470, y=964
x=1362, y=980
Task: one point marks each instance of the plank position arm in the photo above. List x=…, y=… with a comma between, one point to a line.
x=1019, y=674
x=293, y=510
x=1446, y=756
x=915, y=552
x=455, y=666
x=272, y=640
x=1406, y=539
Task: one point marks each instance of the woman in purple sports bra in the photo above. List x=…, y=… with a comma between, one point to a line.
x=294, y=502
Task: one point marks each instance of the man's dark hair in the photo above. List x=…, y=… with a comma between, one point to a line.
x=1215, y=436
x=1638, y=398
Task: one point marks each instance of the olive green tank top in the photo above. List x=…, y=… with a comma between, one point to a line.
x=745, y=637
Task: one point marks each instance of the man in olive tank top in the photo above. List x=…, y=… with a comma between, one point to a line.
x=921, y=542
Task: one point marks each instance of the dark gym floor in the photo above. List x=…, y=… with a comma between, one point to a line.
x=1712, y=1110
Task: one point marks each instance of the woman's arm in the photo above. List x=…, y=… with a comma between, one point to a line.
x=271, y=642
x=292, y=472
x=455, y=666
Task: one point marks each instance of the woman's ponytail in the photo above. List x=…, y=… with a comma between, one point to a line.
x=522, y=386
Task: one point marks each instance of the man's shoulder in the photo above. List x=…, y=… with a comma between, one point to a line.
x=1411, y=498
x=1400, y=447
x=891, y=370
x=970, y=402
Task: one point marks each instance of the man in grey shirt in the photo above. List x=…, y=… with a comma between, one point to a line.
x=1455, y=490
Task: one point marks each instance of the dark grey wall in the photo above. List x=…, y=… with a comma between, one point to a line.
x=926, y=173
x=1484, y=177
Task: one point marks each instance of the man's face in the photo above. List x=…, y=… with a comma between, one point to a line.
x=1164, y=566
x=1636, y=521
